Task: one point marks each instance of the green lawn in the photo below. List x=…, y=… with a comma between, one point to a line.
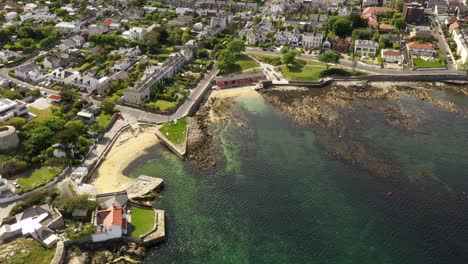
x=85, y=231
x=142, y=221
x=420, y=63
x=165, y=105
x=104, y=119
x=253, y=70
x=270, y=59
x=242, y=63
x=37, y=178
x=175, y=132
x=41, y=114
x=31, y=252
x=302, y=73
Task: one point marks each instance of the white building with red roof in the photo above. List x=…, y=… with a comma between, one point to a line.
x=421, y=49
x=392, y=56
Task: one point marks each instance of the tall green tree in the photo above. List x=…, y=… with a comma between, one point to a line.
x=329, y=57
x=236, y=46
x=288, y=58
x=342, y=28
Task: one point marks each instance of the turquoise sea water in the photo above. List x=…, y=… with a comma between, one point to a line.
x=279, y=195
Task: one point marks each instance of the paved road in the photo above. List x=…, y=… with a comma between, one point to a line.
x=134, y=115
x=369, y=68
x=443, y=45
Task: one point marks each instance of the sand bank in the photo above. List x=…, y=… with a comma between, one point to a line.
x=233, y=92
x=129, y=146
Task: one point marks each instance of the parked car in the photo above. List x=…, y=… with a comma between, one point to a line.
x=17, y=185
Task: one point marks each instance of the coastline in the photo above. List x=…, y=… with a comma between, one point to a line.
x=129, y=146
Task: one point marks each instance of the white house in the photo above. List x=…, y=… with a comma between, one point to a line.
x=62, y=76
x=44, y=15
x=421, y=49
x=367, y=48
x=68, y=27
x=460, y=36
x=121, y=65
x=345, y=11
x=11, y=16
x=29, y=7
x=366, y=3
x=97, y=29
x=8, y=55
x=288, y=37
x=26, y=17
x=312, y=40
x=392, y=56
x=135, y=33
x=23, y=70
x=10, y=108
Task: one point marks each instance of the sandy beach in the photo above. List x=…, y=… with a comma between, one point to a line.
x=129, y=146
x=233, y=92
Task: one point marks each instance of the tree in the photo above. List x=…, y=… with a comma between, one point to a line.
x=67, y=138
x=289, y=57
x=399, y=23
x=202, y=53
x=225, y=60
x=96, y=129
x=357, y=21
x=329, y=57
x=17, y=122
x=108, y=106
x=236, y=46
x=284, y=49
x=361, y=34
x=185, y=36
x=342, y=27
x=396, y=45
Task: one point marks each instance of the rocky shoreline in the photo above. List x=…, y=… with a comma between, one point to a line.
x=119, y=252
x=328, y=110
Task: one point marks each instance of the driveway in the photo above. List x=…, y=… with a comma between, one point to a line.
x=40, y=104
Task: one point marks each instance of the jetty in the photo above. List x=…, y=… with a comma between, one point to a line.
x=143, y=186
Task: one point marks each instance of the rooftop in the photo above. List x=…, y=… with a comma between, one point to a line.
x=418, y=45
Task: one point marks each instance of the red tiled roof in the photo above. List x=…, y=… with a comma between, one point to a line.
x=55, y=97
x=455, y=25
x=418, y=45
x=107, y=22
x=374, y=10
x=112, y=215
x=386, y=27
x=391, y=53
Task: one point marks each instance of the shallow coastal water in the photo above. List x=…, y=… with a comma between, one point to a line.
x=279, y=195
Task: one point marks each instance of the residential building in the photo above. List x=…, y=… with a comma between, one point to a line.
x=97, y=29
x=135, y=33
x=365, y=48
x=46, y=16
x=239, y=80
x=78, y=41
x=460, y=36
x=392, y=56
x=11, y=16
x=22, y=71
x=128, y=52
x=57, y=60
x=8, y=55
x=62, y=76
x=413, y=13
x=68, y=27
x=11, y=108
x=26, y=16
x=121, y=65
x=312, y=40
x=342, y=45
x=37, y=222
x=256, y=36
x=422, y=32
x=371, y=13
x=386, y=27
x=345, y=11
x=288, y=37
x=87, y=117
x=366, y=3
x=421, y=49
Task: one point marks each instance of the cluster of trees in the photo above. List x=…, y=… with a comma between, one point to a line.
x=109, y=40
x=344, y=26
x=329, y=57
x=227, y=57
x=30, y=38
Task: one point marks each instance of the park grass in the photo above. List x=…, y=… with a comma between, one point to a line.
x=303, y=70
x=37, y=178
x=142, y=221
x=253, y=70
x=243, y=62
x=164, y=105
x=87, y=230
x=33, y=252
x=274, y=60
x=43, y=114
x=175, y=131
x=104, y=119
x=420, y=63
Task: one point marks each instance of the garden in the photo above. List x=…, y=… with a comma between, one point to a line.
x=143, y=221
x=175, y=131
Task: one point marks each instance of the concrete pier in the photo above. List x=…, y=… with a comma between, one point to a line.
x=144, y=185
